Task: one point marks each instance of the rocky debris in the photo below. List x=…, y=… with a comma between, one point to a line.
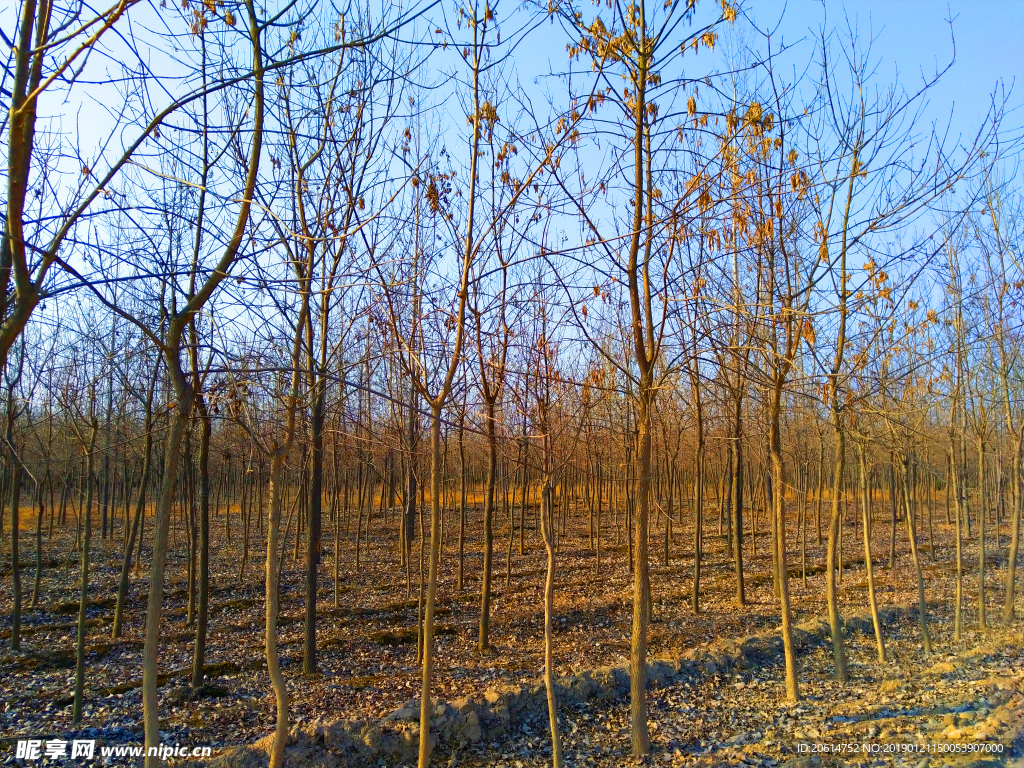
x=504, y=707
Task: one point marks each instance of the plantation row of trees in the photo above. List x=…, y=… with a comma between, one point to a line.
x=338, y=265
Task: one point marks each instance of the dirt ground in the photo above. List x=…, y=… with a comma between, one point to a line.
x=367, y=644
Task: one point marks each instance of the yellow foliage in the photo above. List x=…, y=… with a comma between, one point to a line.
x=807, y=331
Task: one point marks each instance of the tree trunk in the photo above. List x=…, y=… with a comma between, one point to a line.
x=15, y=491
x=821, y=490
x=736, y=503
x=337, y=537
x=957, y=497
x=922, y=615
x=802, y=514
x=14, y=463
x=779, y=503
x=549, y=598
x=982, y=525
x=835, y=622
x=492, y=475
x=893, y=503
x=865, y=513
x=1018, y=501
x=523, y=497
x=140, y=505
x=641, y=741
x=600, y=498
x=150, y=658
x=39, y=551
x=248, y=493
x=309, y=665
x=270, y=628
x=698, y=521
x=426, y=743
x=462, y=508
x=83, y=596
x=199, y=661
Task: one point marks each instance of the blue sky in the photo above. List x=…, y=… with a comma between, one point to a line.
x=913, y=38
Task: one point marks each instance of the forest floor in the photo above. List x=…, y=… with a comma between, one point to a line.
x=368, y=646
